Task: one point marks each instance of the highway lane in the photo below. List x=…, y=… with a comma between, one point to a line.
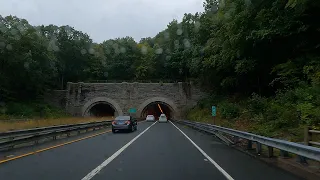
x=236, y=163
x=162, y=152
x=70, y=162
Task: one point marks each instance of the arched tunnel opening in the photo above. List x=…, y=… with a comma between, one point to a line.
x=154, y=109
x=102, y=110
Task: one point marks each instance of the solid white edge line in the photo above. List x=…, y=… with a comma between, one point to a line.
x=107, y=161
x=205, y=155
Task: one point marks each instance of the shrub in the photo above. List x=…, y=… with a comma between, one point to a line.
x=229, y=110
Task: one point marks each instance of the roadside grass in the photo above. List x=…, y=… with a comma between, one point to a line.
x=9, y=125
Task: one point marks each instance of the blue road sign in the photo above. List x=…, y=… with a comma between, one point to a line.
x=214, y=110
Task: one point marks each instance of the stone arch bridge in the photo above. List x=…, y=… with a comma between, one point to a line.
x=80, y=98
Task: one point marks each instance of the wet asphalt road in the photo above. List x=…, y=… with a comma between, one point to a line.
x=160, y=153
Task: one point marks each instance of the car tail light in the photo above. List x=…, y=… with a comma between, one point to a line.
x=127, y=122
x=114, y=123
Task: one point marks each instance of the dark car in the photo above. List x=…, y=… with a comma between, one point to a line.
x=124, y=123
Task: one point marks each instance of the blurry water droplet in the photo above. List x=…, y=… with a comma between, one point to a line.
x=166, y=35
x=168, y=51
x=91, y=51
x=222, y=4
x=26, y=65
x=3, y=29
x=20, y=27
x=227, y=15
x=144, y=50
x=115, y=45
x=55, y=48
x=83, y=51
x=123, y=50
x=9, y=47
x=186, y=43
x=105, y=74
x=117, y=50
x=179, y=32
x=13, y=31
x=120, y=169
x=197, y=25
x=159, y=51
x=214, y=8
x=176, y=44
x=17, y=37
x=247, y=2
x=2, y=44
x=168, y=58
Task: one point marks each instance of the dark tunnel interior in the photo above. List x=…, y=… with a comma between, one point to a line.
x=102, y=110
x=153, y=109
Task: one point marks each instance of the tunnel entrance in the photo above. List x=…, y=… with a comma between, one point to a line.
x=154, y=109
x=102, y=110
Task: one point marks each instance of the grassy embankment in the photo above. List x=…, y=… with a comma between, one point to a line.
x=15, y=116
x=283, y=116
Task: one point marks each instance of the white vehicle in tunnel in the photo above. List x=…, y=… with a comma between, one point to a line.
x=163, y=118
x=150, y=118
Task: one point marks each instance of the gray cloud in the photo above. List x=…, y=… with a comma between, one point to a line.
x=103, y=19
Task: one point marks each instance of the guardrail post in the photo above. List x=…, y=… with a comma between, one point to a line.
x=302, y=160
x=284, y=154
x=249, y=146
x=258, y=148
x=270, y=151
x=307, y=136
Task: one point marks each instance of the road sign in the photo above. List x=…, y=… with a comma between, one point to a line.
x=214, y=111
x=132, y=110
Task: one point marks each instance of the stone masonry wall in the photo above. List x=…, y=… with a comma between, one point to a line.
x=123, y=96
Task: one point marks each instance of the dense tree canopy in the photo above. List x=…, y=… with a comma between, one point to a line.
x=234, y=46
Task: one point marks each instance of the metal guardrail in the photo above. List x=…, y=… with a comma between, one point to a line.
x=308, y=136
x=303, y=151
x=11, y=139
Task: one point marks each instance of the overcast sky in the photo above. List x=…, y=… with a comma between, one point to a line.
x=103, y=19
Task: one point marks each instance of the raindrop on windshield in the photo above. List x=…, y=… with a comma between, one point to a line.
x=91, y=51
x=117, y=50
x=123, y=50
x=14, y=31
x=83, y=51
x=179, y=32
x=2, y=44
x=186, y=43
x=9, y=47
x=26, y=65
x=115, y=45
x=144, y=50
x=105, y=74
x=197, y=25
x=17, y=37
x=166, y=35
x=159, y=51
x=248, y=2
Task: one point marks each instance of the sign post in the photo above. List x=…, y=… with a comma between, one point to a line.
x=214, y=114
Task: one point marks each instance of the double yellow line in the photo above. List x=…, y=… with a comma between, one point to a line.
x=52, y=147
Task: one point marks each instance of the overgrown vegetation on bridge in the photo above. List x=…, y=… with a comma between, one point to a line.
x=263, y=55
